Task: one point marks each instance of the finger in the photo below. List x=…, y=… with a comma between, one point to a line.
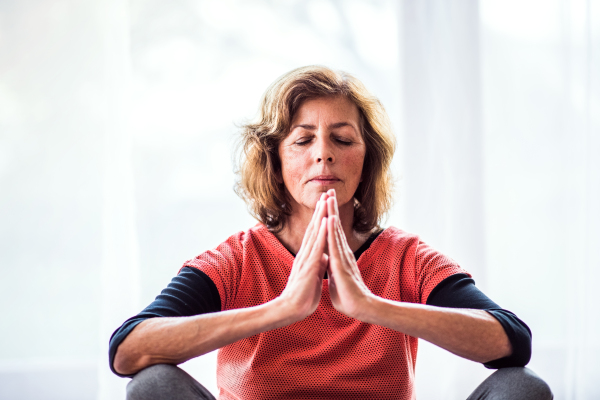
x=310, y=228
x=315, y=216
x=318, y=248
x=343, y=240
x=315, y=220
x=324, y=263
x=317, y=260
x=333, y=241
x=313, y=229
x=325, y=196
x=343, y=252
x=332, y=207
x=348, y=254
x=318, y=213
x=321, y=212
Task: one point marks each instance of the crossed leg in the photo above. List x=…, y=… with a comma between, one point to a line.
x=516, y=383
x=167, y=382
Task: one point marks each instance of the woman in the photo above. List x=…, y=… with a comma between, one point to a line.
x=317, y=301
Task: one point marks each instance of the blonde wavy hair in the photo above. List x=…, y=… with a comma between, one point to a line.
x=259, y=165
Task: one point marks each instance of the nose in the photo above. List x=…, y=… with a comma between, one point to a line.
x=323, y=151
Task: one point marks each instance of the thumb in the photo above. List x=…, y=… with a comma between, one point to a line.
x=324, y=264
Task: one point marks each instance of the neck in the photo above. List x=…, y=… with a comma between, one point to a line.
x=292, y=234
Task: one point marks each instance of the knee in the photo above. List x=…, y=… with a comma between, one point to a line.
x=523, y=383
x=152, y=382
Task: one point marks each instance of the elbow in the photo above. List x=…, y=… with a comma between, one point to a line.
x=511, y=341
x=522, y=356
x=126, y=364
x=505, y=347
x=501, y=351
x=498, y=346
x=122, y=364
x=518, y=355
x=492, y=354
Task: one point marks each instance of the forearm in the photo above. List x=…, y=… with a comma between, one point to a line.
x=178, y=339
x=469, y=333
x=173, y=340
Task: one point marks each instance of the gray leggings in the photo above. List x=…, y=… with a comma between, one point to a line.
x=167, y=382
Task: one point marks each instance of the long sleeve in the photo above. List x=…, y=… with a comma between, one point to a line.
x=189, y=293
x=459, y=291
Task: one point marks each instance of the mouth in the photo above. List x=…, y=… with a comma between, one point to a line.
x=325, y=180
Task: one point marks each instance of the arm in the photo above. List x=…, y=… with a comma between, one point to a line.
x=178, y=339
x=472, y=334
x=173, y=340
x=459, y=291
x=191, y=292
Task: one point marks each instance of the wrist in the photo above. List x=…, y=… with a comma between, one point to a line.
x=365, y=309
x=284, y=311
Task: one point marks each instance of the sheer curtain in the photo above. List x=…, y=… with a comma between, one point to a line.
x=117, y=122
x=443, y=159
x=542, y=132
x=501, y=139
x=120, y=271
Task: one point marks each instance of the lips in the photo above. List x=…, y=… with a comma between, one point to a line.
x=324, y=179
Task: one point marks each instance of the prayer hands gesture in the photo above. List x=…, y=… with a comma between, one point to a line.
x=473, y=334
x=325, y=248
x=347, y=290
x=303, y=290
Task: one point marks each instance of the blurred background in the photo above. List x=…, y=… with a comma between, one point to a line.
x=117, y=128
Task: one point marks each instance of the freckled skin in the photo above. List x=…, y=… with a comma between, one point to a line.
x=324, y=140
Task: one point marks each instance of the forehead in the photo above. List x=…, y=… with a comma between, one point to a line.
x=331, y=109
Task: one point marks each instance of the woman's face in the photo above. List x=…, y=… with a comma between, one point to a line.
x=324, y=150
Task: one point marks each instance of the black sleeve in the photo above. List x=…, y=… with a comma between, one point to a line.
x=191, y=292
x=459, y=291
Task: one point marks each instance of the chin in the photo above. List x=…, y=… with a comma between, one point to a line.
x=311, y=200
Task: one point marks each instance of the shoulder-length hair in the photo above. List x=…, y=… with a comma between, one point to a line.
x=259, y=165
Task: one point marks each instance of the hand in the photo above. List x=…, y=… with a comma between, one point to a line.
x=303, y=290
x=349, y=294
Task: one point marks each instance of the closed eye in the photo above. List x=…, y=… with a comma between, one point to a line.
x=343, y=141
x=303, y=141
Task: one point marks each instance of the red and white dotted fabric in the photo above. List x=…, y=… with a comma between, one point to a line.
x=327, y=355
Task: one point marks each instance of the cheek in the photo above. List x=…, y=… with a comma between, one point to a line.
x=294, y=164
x=355, y=162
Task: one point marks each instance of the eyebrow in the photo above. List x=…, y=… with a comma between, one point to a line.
x=312, y=127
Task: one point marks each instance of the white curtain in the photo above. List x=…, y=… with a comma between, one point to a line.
x=501, y=140
x=120, y=283
x=117, y=122
x=443, y=158
x=542, y=133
